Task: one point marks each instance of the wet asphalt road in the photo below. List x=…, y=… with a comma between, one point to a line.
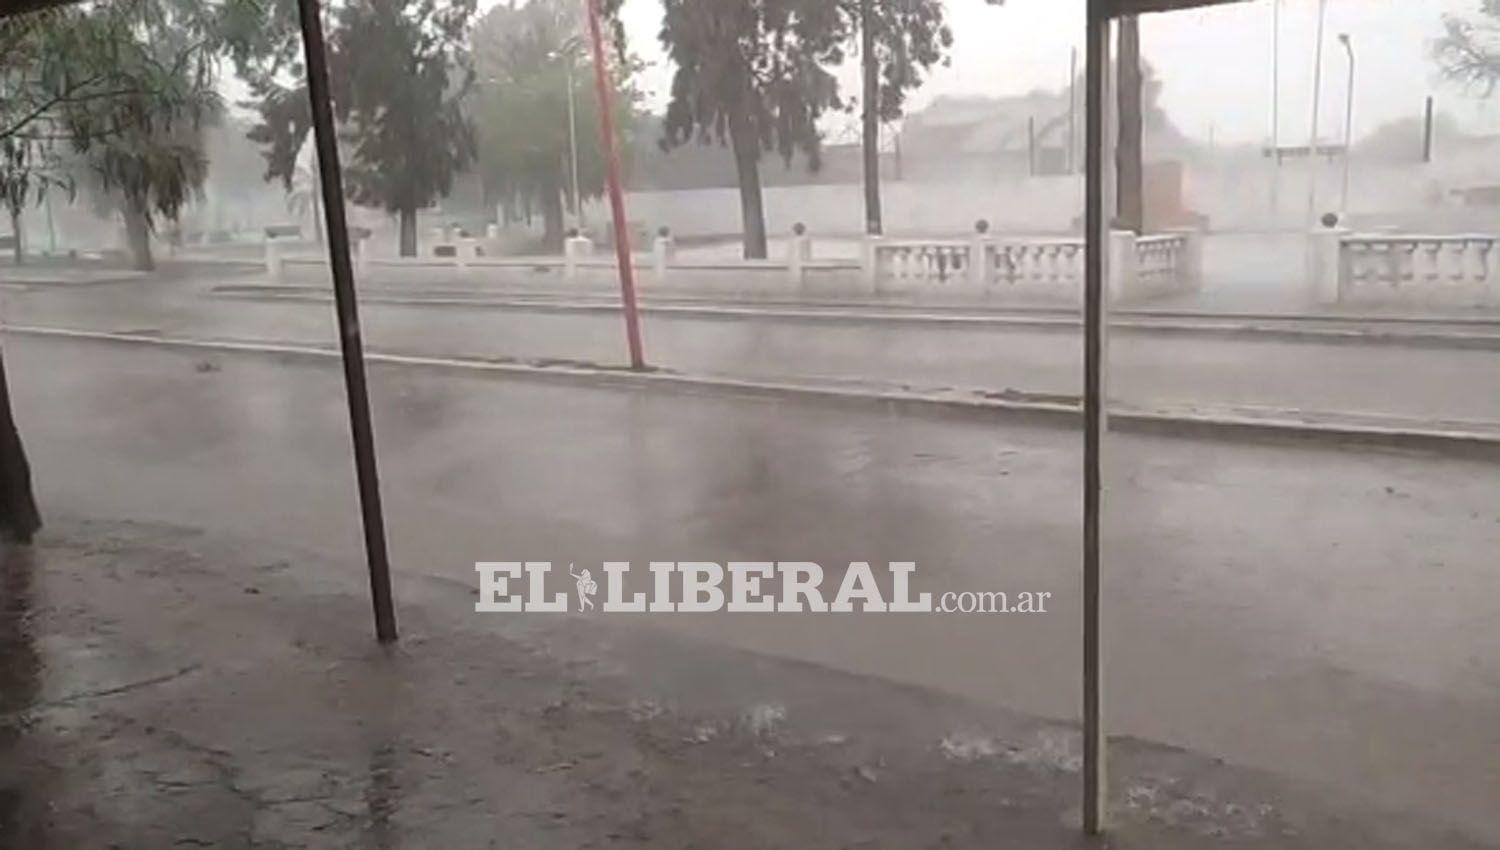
x=1327, y=614
x=1145, y=369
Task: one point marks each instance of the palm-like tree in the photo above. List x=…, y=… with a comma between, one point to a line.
x=306, y=198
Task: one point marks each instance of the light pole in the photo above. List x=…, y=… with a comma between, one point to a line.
x=1348, y=118
x=1317, y=99
x=1276, y=106
x=566, y=54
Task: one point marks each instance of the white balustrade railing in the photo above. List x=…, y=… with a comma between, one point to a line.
x=1459, y=269
x=1419, y=261
x=1037, y=262
x=921, y=260
x=1165, y=263
x=1049, y=267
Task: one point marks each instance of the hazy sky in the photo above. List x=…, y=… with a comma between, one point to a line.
x=1215, y=64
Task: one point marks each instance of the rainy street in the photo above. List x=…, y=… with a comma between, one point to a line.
x=1275, y=591
x=749, y=424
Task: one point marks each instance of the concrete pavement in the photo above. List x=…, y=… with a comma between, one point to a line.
x=1326, y=616
x=1288, y=377
x=171, y=688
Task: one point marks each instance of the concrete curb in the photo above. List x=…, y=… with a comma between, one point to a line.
x=1243, y=423
x=1294, y=329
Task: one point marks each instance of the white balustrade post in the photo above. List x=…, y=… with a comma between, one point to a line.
x=798, y=253
x=1492, y=273
x=870, y=261
x=574, y=247
x=661, y=253
x=979, y=255
x=1124, y=265
x=463, y=251
x=1190, y=260
x=274, y=261
x=1328, y=264
x=492, y=231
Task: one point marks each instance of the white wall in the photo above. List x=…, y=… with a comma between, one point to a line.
x=1036, y=205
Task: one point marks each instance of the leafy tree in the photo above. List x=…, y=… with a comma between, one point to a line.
x=28, y=171
x=530, y=56
x=305, y=198
x=752, y=74
x=125, y=86
x=398, y=72
x=1469, y=50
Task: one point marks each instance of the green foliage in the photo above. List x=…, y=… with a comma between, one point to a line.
x=527, y=54
x=1469, y=50
x=123, y=86
x=753, y=72
x=398, y=72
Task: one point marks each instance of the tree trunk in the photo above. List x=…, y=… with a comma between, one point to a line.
x=317, y=213
x=1128, y=154
x=408, y=233
x=15, y=231
x=552, y=217
x=138, y=235
x=752, y=207
x=873, y=220
x=18, y=514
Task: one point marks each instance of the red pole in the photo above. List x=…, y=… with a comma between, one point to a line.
x=616, y=194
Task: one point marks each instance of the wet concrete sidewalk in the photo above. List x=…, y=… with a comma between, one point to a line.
x=160, y=687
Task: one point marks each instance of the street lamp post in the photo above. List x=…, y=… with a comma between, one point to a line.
x=1317, y=99
x=566, y=53
x=573, y=145
x=1276, y=106
x=1348, y=118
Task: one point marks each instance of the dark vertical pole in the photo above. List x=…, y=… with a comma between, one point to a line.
x=1031, y=146
x=874, y=220
x=348, y=315
x=1427, y=133
x=1096, y=165
x=1073, y=112
x=616, y=192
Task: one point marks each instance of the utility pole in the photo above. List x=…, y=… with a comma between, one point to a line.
x=871, y=67
x=1276, y=106
x=1031, y=146
x=346, y=306
x=1131, y=213
x=1348, y=120
x=1317, y=100
x=616, y=192
x=573, y=143
x=1427, y=132
x=1073, y=112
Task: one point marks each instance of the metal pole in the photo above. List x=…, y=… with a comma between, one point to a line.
x=1276, y=105
x=616, y=193
x=573, y=144
x=1096, y=239
x=1427, y=132
x=1348, y=120
x=870, y=70
x=1073, y=111
x=1031, y=146
x=1276, y=77
x=1317, y=100
x=347, y=307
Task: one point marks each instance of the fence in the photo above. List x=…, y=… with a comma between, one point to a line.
x=1459, y=270
x=1036, y=267
x=1028, y=268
